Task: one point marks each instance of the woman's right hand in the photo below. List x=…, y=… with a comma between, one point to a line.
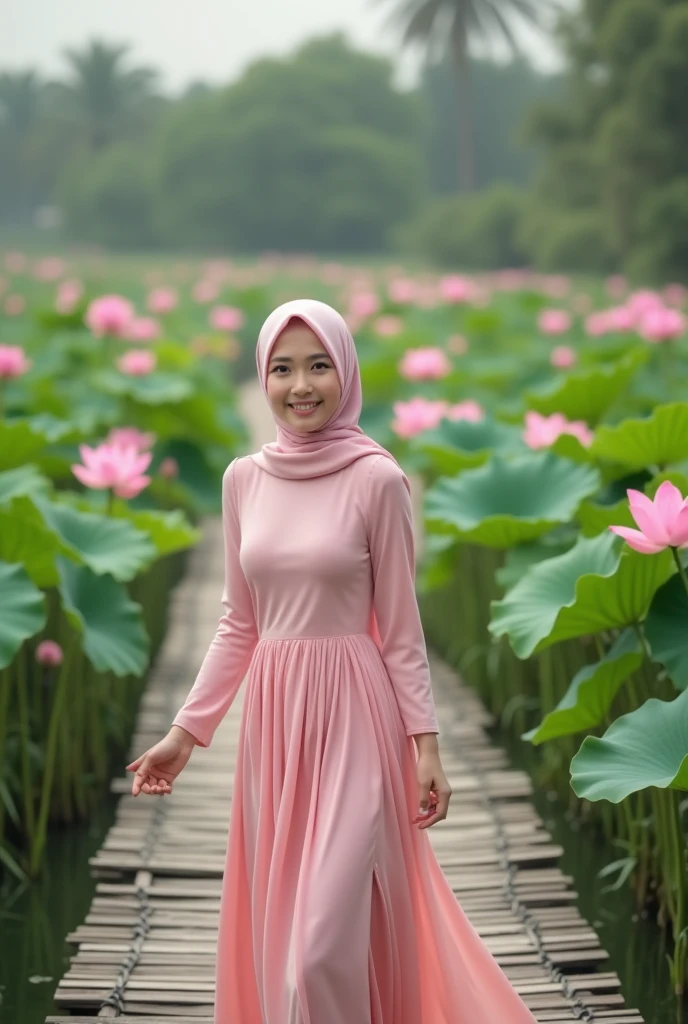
x=157, y=769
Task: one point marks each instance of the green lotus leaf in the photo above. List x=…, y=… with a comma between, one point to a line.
x=22, y=610
x=115, y=639
x=592, y=691
x=25, y=538
x=657, y=440
x=169, y=531
x=105, y=544
x=666, y=629
x=25, y=480
x=599, y=584
x=200, y=480
x=457, y=444
x=376, y=420
x=507, y=502
x=520, y=558
x=595, y=518
x=196, y=419
x=151, y=389
x=587, y=394
x=569, y=447
x=647, y=747
x=20, y=440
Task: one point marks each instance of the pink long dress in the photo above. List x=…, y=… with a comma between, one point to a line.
x=334, y=908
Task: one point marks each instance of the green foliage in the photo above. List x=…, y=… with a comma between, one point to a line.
x=613, y=182
x=501, y=95
x=313, y=152
x=479, y=232
x=106, y=198
x=622, y=761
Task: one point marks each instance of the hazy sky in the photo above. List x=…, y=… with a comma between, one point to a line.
x=189, y=40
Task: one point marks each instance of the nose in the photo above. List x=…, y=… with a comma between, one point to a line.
x=301, y=385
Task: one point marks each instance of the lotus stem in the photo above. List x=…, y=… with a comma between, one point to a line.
x=25, y=731
x=680, y=567
x=49, y=766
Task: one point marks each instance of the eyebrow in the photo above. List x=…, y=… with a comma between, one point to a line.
x=288, y=359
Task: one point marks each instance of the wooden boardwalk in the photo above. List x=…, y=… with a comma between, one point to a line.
x=146, y=951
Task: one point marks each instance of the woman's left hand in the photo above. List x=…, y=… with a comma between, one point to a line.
x=434, y=791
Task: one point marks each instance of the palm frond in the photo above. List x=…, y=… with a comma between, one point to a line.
x=492, y=13
x=422, y=25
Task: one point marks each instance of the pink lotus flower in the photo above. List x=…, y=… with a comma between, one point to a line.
x=543, y=431
x=226, y=318
x=115, y=466
x=125, y=437
x=417, y=415
x=137, y=362
x=13, y=361
x=563, y=357
x=162, y=300
x=363, y=304
x=661, y=324
x=469, y=410
x=402, y=290
x=15, y=305
x=110, y=314
x=643, y=300
x=456, y=288
x=143, y=328
x=169, y=468
x=49, y=653
x=597, y=324
x=554, y=321
x=620, y=318
x=388, y=326
x=424, y=364
x=68, y=295
x=49, y=269
x=663, y=521
x=205, y=291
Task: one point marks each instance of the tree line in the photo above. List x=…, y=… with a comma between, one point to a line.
x=319, y=151
x=315, y=151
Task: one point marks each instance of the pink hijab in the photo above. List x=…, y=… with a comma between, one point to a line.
x=300, y=456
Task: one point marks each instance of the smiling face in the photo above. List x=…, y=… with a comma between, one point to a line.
x=302, y=385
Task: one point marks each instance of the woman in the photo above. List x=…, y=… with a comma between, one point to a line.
x=334, y=908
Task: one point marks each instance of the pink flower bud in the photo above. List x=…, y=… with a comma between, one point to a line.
x=13, y=362
x=49, y=653
x=169, y=468
x=137, y=362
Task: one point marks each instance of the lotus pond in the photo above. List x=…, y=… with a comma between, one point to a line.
x=548, y=423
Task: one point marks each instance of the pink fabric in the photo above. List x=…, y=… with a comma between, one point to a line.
x=334, y=908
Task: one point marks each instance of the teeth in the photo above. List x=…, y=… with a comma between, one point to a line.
x=311, y=405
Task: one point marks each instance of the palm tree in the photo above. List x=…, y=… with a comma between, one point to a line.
x=20, y=94
x=103, y=95
x=449, y=27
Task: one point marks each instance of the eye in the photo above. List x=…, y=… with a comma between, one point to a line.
x=326, y=365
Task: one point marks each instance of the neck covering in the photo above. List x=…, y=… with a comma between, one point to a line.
x=303, y=455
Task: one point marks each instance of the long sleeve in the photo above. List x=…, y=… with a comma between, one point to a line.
x=230, y=651
x=390, y=538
